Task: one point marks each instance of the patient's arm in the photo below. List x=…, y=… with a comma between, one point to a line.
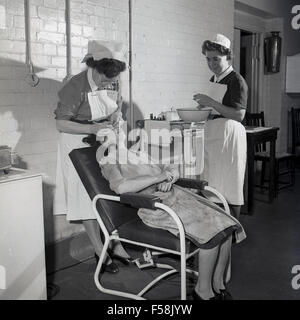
x=121, y=185
x=165, y=186
x=173, y=169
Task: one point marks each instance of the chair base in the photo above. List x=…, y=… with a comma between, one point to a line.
x=148, y=262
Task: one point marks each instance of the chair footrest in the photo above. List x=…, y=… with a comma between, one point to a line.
x=147, y=261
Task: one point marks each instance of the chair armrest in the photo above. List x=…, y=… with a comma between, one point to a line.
x=140, y=200
x=192, y=183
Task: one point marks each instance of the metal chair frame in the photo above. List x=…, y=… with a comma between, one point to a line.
x=108, y=237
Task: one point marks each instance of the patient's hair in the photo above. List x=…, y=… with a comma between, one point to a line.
x=109, y=67
x=211, y=46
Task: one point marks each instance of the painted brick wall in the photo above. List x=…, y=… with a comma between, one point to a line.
x=168, y=68
x=26, y=114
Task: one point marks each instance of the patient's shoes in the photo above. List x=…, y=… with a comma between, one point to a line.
x=110, y=268
x=126, y=261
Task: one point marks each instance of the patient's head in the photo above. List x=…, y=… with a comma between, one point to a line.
x=115, y=150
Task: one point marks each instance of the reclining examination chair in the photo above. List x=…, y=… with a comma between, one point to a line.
x=118, y=220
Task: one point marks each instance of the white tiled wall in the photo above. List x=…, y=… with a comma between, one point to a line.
x=168, y=67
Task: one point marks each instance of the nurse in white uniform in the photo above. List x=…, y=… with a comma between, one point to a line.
x=225, y=137
x=89, y=101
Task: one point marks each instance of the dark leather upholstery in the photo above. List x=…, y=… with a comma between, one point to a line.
x=117, y=216
x=192, y=184
x=137, y=200
x=112, y=213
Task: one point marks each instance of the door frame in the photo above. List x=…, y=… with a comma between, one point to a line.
x=254, y=82
x=255, y=25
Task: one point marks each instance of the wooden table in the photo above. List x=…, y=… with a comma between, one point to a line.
x=255, y=136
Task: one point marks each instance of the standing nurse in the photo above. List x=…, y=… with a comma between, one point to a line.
x=225, y=137
x=218, y=56
x=88, y=102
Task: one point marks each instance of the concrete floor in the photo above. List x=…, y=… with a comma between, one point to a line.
x=261, y=265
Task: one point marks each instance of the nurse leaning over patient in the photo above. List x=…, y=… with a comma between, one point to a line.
x=88, y=102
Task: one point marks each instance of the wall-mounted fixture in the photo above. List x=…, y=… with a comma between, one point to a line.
x=32, y=79
x=130, y=16
x=273, y=52
x=68, y=41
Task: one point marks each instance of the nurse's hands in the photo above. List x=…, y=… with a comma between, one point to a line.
x=96, y=127
x=204, y=101
x=116, y=117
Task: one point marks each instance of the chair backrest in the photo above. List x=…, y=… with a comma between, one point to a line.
x=116, y=215
x=256, y=120
x=113, y=214
x=295, y=129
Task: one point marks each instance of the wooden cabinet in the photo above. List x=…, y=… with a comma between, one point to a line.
x=293, y=74
x=22, y=245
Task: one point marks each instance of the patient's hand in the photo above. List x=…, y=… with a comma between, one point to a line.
x=169, y=179
x=165, y=186
x=168, y=175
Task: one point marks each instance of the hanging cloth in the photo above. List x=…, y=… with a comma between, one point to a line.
x=102, y=106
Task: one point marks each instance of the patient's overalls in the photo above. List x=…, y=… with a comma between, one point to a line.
x=70, y=196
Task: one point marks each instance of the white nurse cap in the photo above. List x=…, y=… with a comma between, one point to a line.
x=99, y=49
x=222, y=41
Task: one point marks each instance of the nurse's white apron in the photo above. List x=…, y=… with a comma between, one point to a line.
x=70, y=196
x=225, y=156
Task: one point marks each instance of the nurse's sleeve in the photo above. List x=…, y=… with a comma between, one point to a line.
x=239, y=94
x=69, y=101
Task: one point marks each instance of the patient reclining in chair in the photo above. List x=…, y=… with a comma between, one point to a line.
x=205, y=223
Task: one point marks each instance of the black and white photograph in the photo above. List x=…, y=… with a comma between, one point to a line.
x=149, y=150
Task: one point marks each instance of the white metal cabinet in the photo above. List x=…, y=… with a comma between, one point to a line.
x=22, y=245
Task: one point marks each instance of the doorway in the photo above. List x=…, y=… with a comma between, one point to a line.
x=247, y=63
